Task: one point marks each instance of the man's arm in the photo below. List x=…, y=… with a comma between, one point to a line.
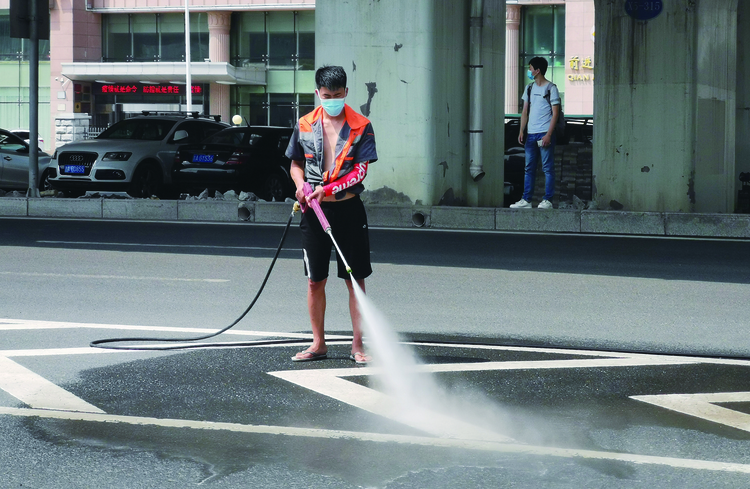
x=524, y=121
x=547, y=139
x=297, y=172
x=356, y=175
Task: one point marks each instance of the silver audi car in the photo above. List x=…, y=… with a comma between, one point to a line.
x=134, y=155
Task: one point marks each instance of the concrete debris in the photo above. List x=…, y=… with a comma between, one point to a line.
x=218, y=195
x=203, y=195
x=230, y=195
x=578, y=203
x=248, y=196
x=385, y=195
x=106, y=195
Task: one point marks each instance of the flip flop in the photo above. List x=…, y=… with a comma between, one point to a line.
x=313, y=356
x=353, y=358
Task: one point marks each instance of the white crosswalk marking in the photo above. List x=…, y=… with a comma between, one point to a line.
x=38, y=392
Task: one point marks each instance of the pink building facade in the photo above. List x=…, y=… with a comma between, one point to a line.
x=94, y=73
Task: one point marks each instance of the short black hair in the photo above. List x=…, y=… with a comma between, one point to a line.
x=330, y=77
x=540, y=64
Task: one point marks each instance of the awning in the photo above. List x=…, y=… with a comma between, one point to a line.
x=166, y=72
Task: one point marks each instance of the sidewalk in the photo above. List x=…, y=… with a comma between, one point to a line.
x=395, y=216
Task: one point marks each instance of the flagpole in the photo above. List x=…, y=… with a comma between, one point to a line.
x=188, y=79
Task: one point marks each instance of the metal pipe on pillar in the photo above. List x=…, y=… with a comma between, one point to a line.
x=475, y=90
x=33, y=102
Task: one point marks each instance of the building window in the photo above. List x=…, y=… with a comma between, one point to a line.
x=14, y=80
x=280, y=40
x=154, y=37
x=14, y=49
x=284, y=42
x=271, y=109
x=543, y=34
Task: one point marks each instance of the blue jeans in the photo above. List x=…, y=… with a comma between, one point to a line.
x=533, y=151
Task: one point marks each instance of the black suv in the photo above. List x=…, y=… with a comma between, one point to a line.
x=134, y=155
x=249, y=159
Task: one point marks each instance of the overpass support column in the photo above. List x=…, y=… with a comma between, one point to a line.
x=665, y=107
x=408, y=67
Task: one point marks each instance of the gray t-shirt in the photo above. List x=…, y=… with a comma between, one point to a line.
x=540, y=111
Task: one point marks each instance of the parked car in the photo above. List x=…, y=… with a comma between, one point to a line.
x=24, y=134
x=14, y=164
x=134, y=155
x=244, y=158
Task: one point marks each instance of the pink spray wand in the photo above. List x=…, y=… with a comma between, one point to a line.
x=308, y=189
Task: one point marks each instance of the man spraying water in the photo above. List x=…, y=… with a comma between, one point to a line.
x=330, y=149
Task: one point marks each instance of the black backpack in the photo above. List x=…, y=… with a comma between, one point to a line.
x=561, y=136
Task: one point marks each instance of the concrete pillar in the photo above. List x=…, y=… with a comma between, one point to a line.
x=664, y=100
x=407, y=68
x=742, y=121
x=512, y=42
x=219, y=24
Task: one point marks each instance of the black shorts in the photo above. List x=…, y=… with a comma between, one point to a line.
x=348, y=221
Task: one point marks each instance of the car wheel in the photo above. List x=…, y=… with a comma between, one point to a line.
x=44, y=183
x=275, y=187
x=146, y=181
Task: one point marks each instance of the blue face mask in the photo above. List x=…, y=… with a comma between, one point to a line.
x=333, y=106
x=530, y=75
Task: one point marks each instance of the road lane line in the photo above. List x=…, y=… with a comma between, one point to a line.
x=478, y=445
x=38, y=392
x=704, y=406
x=25, y=324
x=384, y=405
x=115, y=277
x=153, y=245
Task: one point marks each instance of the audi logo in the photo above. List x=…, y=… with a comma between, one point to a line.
x=75, y=158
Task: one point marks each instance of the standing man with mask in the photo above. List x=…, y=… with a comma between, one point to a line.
x=331, y=148
x=541, y=108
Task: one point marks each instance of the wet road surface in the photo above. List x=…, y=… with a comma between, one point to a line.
x=561, y=362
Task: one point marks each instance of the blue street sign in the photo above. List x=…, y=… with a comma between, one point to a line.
x=643, y=9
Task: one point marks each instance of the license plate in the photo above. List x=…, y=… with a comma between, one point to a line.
x=203, y=158
x=75, y=169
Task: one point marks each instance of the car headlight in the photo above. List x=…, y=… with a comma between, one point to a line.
x=118, y=156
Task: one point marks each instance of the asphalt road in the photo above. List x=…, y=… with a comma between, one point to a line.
x=541, y=361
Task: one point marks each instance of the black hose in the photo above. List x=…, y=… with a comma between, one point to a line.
x=105, y=343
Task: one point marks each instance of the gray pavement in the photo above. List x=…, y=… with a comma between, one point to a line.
x=560, y=361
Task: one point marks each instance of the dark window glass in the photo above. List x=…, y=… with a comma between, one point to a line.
x=173, y=46
x=282, y=110
x=258, y=110
x=306, y=103
x=257, y=47
x=118, y=47
x=227, y=136
x=306, y=51
x=282, y=48
x=145, y=47
x=150, y=129
x=198, y=46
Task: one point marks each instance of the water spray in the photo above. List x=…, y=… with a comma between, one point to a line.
x=308, y=189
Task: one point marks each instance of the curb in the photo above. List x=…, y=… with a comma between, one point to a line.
x=396, y=216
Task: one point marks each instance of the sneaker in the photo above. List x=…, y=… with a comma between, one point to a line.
x=545, y=204
x=521, y=204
